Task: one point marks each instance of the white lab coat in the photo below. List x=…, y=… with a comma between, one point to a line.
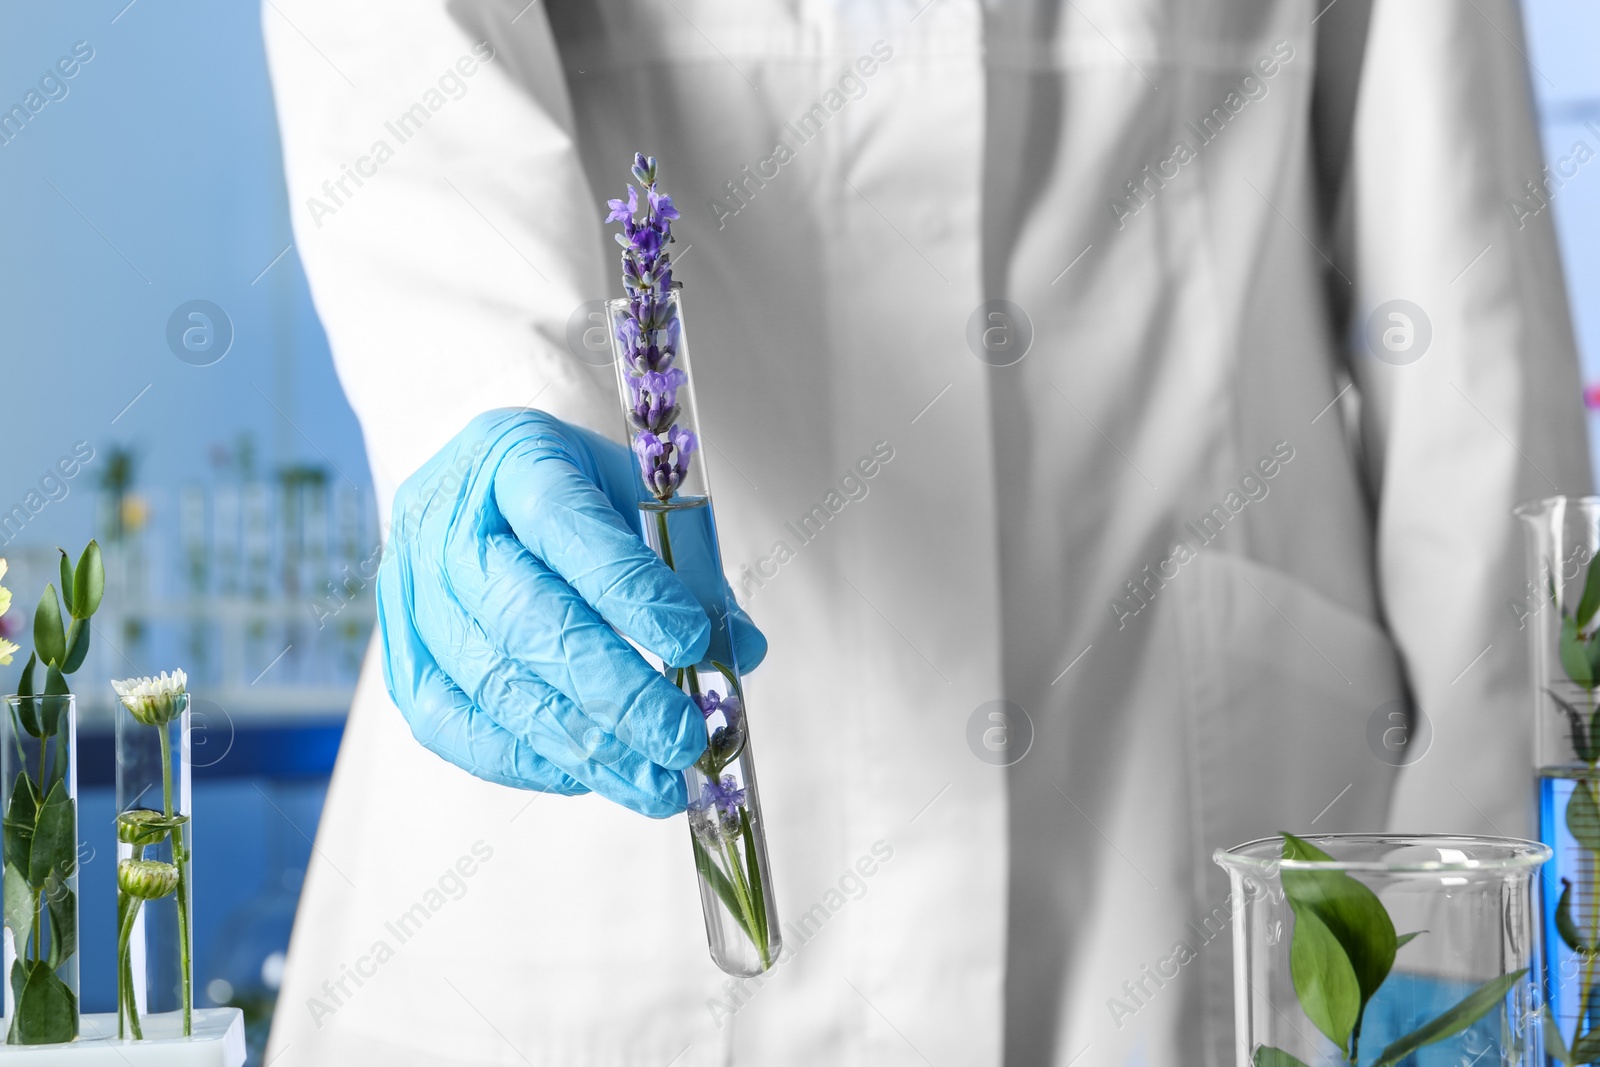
x=1024, y=915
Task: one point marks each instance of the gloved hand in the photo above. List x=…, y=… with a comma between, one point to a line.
x=513, y=560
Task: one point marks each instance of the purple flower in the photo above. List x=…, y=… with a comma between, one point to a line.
x=624, y=210
x=684, y=441
x=708, y=702
x=725, y=794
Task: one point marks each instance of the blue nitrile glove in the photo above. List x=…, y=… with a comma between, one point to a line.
x=512, y=554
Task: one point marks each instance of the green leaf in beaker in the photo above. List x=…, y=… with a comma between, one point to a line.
x=1584, y=1050
x=1582, y=736
x=20, y=820
x=758, y=896
x=1564, y=924
x=1583, y=815
x=25, y=683
x=1575, y=655
x=1406, y=939
x=1589, y=602
x=1324, y=980
x=1554, y=1045
x=719, y=884
x=1473, y=1007
x=1267, y=1056
x=1351, y=912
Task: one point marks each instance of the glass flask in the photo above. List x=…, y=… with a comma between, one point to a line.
x=676, y=515
x=1367, y=950
x=1558, y=609
x=39, y=795
x=155, y=879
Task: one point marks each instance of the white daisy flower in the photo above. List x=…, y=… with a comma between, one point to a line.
x=153, y=701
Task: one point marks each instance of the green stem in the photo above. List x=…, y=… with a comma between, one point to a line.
x=666, y=541
x=126, y=1003
x=741, y=890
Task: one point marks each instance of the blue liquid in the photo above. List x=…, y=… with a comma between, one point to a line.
x=696, y=558
x=1565, y=970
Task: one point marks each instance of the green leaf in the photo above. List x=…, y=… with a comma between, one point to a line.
x=1582, y=737
x=66, y=577
x=89, y=584
x=25, y=683
x=27, y=717
x=47, y=1011
x=758, y=898
x=63, y=904
x=1590, y=601
x=49, y=639
x=1583, y=815
x=719, y=883
x=1324, y=980
x=1473, y=1007
x=1267, y=1056
x=1564, y=924
x=1584, y=1050
x=1352, y=913
x=1553, y=1044
x=55, y=839
x=1405, y=939
x=1575, y=655
x=77, y=645
x=18, y=907
x=19, y=822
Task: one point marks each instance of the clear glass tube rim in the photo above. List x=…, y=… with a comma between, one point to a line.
x=1536, y=511
x=1481, y=853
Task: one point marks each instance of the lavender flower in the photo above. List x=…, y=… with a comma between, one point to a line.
x=725, y=794
x=650, y=332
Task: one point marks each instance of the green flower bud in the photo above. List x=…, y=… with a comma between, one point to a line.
x=146, y=879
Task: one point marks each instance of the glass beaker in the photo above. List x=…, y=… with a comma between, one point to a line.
x=1369, y=950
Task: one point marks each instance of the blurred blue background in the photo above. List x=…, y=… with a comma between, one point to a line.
x=228, y=482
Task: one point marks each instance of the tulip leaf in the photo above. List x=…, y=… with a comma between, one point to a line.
x=55, y=837
x=66, y=578
x=1351, y=912
x=1583, y=815
x=49, y=639
x=63, y=903
x=1267, y=1056
x=19, y=823
x=1589, y=602
x=77, y=645
x=1473, y=1007
x=46, y=1010
x=89, y=584
x=18, y=906
x=1575, y=655
x=1324, y=980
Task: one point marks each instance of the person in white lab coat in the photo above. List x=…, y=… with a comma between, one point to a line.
x=1201, y=353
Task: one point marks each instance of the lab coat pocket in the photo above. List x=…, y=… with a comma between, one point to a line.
x=1281, y=686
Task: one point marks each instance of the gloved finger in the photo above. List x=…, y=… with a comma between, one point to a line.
x=442, y=718
x=749, y=643
x=566, y=521
x=519, y=619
